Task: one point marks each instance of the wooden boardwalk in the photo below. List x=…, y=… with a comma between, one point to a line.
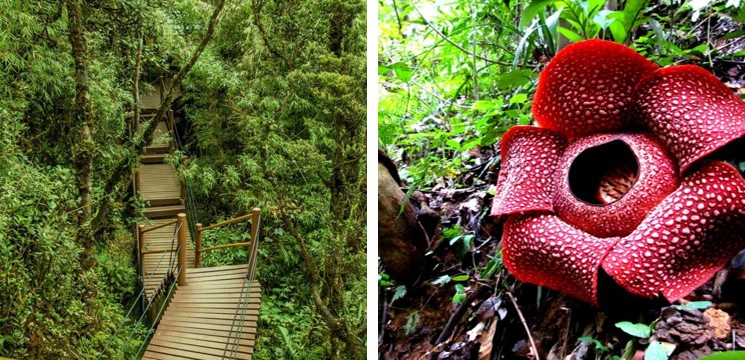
x=158, y=184
x=213, y=312
x=203, y=320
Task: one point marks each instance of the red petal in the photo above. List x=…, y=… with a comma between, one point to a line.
x=691, y=111
x=588, y=86
x=692, y=234
x=543, y=250
x=529, y=158
x=657, y=177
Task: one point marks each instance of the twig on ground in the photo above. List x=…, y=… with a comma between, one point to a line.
x=533, y=348
x=457, y=315
x=382, y=319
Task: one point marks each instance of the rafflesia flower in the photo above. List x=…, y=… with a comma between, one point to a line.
x=619, y=175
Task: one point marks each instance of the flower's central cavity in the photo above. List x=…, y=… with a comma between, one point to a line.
x=603, y=174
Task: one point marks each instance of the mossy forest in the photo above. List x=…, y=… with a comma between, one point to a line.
x=247, y=105
x=561, y=179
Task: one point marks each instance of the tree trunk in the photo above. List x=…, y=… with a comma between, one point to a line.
x=84, y=117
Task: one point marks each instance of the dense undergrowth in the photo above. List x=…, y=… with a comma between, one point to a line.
x=454, y=76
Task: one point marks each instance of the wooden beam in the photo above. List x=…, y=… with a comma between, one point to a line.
x=197, y=251
x=224, y=246
x=244, y=217
x=161, y=225
x=182, y=249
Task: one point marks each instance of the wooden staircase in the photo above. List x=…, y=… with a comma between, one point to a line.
x=213, y=312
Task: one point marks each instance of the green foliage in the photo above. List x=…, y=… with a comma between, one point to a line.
x=445, y=87
x=275, y=115
x=657, y=351
x=49, y=306
x=728, y=355
x=602, y=351
x=694, y=305
x=637, y=330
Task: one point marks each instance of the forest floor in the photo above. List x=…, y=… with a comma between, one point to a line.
x=466, y=306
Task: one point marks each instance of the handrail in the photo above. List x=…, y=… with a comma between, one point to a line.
x=227, y=222
x=225, y=246
x=160, y=226
x=254, y=215
x=157, y=251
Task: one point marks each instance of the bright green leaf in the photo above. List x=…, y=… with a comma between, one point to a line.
x=727, y=355
x=638, y=330
x=694, y=305
x=463, y=277
x=657, y=351
x=569, y=34
x=518, y=99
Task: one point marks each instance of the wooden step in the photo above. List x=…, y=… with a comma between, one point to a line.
x=164, y=201
x=150, y=102
x=157, y=149
x=164, y=211
x=153, y=158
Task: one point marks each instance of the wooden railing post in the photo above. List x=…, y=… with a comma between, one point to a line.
x=140, y=256
x=198, y=241
x=182, y=249
x=255, y=219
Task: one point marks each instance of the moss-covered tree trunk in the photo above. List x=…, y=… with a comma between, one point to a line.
x=83, y=112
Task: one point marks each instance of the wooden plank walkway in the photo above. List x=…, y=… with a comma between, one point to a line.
x=214, y=314
x=159, y=186
x=205, y=315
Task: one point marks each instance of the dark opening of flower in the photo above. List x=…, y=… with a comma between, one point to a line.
x=603, y=174
x=583, y=191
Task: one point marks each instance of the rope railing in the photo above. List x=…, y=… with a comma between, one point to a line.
x=163, y=305
x=150, y=328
